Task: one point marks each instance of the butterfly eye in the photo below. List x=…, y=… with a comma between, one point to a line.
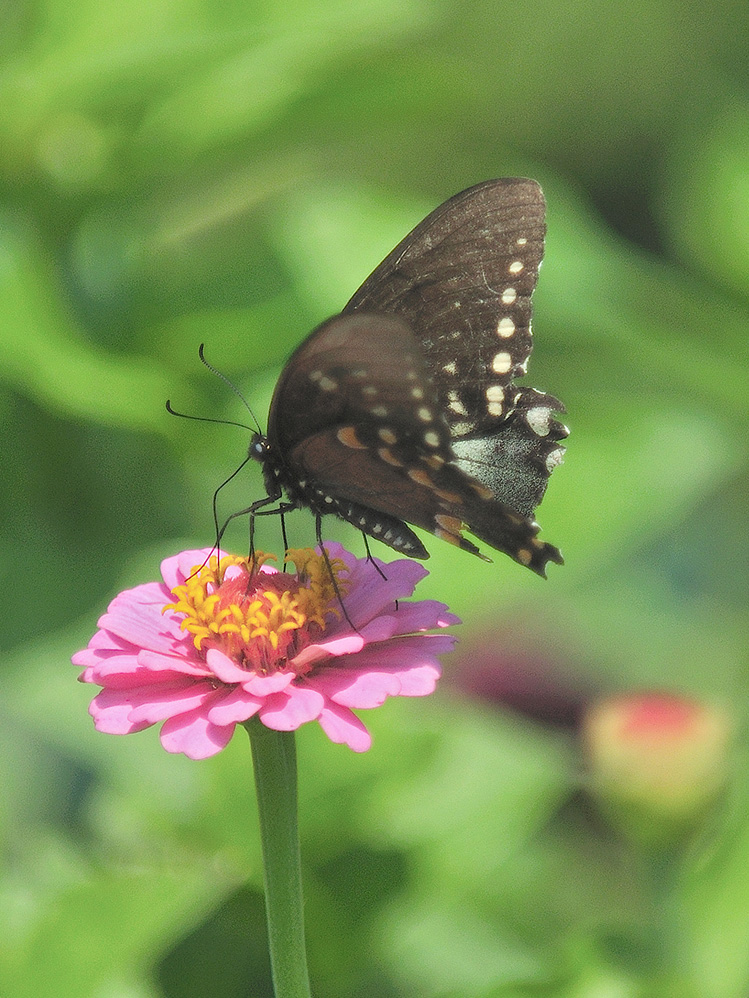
x=259, y=448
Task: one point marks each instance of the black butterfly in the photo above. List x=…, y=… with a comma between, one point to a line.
x=403, y=408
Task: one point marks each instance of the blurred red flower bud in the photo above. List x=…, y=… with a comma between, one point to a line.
x=656, y=761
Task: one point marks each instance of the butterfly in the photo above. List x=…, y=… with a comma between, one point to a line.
x=403, y=409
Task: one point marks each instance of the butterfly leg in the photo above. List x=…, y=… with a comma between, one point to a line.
x=326, y=558
x=252, y=511
x=256, y=510
x=283, y=534
x=371, y=560
x=220, y=530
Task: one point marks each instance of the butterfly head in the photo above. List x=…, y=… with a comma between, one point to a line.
x=262, y=451
x=259, y=448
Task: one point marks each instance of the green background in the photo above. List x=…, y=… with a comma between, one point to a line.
x=181, y=171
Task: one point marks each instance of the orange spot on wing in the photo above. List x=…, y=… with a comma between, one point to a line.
x=347, y=436
x=421, y=477
x=452, y=497
x=387, y=455
x=449, y=523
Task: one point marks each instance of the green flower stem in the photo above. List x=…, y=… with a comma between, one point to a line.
x=274, y=761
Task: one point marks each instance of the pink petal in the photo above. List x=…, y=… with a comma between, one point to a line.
x=402, y=667
x=419, y=681
x=263, y=686
x=361, y=689
x=111, y=714
x=154, y=594
x=370, y=594
x=102, y=660
x=318, y=652
x=422, y=615
x=286, y=711
x=344, y=728
x=234, y=707
x=225, y=668
x=399, y=654
x=153, y=706
x=379, y=629
x=87, y=657
x=143, y=626
x=175, y=570
x=113, y=676
x=101, y=645
x=156, y=662
x=194, y=735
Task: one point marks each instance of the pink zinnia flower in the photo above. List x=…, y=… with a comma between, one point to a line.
x=211, y=646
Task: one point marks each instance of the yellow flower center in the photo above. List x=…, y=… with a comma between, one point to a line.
x=259, y=619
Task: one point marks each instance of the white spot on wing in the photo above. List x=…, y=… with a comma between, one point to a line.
x=509, y=295
x=554, y=459
x=455, y=404
x=538, y=420
x=516, y=267
x=463, y=427
x=502, y=362
x=505, y=327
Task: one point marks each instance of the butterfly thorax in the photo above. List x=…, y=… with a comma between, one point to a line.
x=279, y=479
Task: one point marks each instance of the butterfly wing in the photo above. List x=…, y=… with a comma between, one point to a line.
x=356, y=429
x=463, y=280
x=359, y=368
x=380, y=499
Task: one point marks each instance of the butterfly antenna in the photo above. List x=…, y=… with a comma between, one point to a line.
x=205, y=419
x=230, y=383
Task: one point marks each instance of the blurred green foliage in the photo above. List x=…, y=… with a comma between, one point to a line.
x=180, y=171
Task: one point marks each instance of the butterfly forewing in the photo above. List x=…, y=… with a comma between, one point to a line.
x=365, y=370
x=463, y=280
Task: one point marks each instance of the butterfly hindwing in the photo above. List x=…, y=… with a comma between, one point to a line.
x=379, y=498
